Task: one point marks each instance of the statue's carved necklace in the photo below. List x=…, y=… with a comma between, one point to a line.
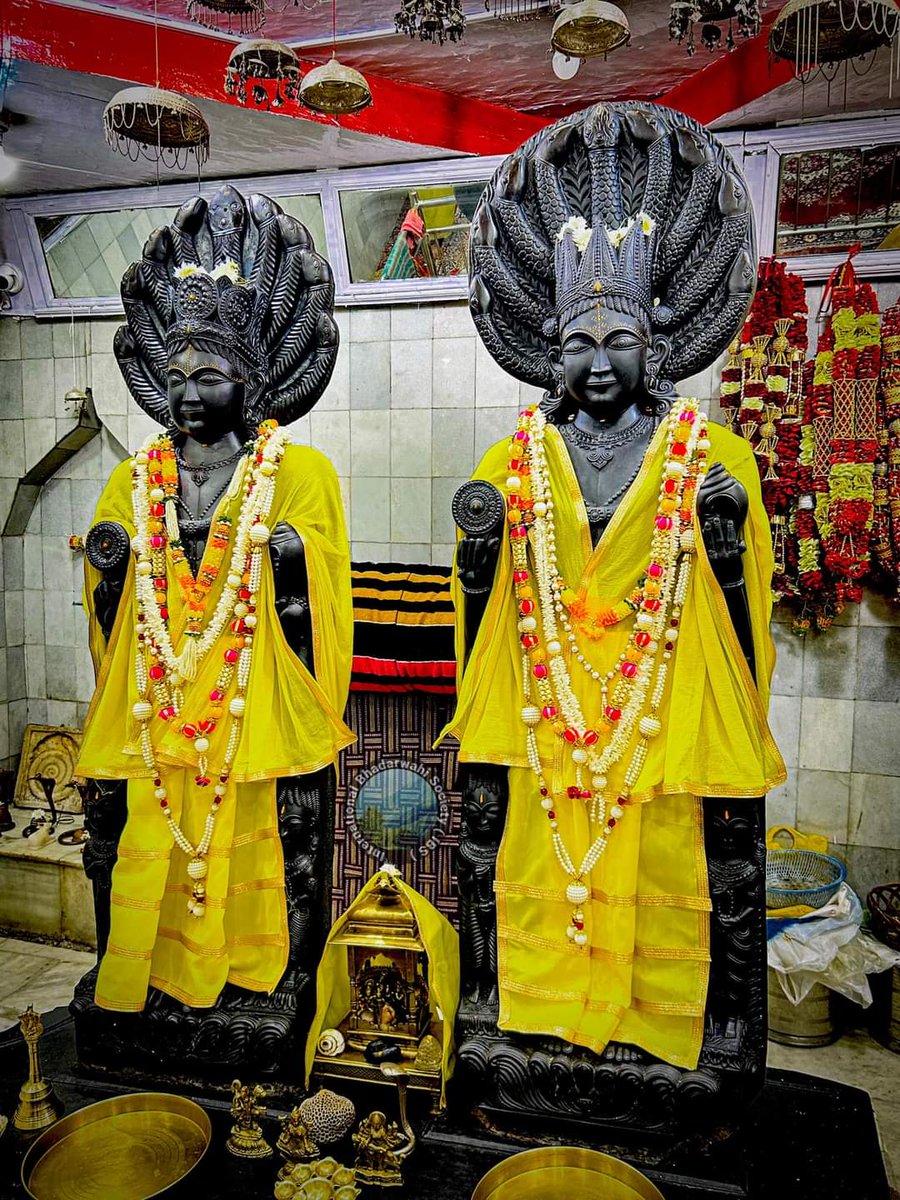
x=201, y=471
x=599, y=446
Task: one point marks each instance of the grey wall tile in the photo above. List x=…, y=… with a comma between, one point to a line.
x=411, y=511
x=40, y=436
x=823, y=803
x=876, y=738
x=370, y=375
x=443, y=527
x=871, y=866
x=370, y=324
x=411, y=367
x=12, y=449
x=781, y=803
x=39, y=388
x=826, y=734
x=453, y=320
x=88, y=462
x=62, y=677
x=37, y=339
x=330, y=433
x=453, y=372
x=34, y=562
x=337, y=394
x=16, y=676
x=370, y=507
x=412, y=321
x=10, y=341
x=452, y=442
x=442, y=554
x=36, y=671
x=411, y=553
x=12, y=405
x=56, y=507
x=108, y=386
x=34, y=618
x=36, y=712
x=370, y=551
x=85, y=495
x=878, y=670
x=875, y=811
x=18, y=719
x=784, y=721
x=410, y=444
x=59, y=617
x=370, y=441
x=57, y=564
x=829, y=663
x=787, y=679
x=13, y=563
x=15, y=617
x=4, y=679
x=4, y=734
x=878, y=610
x=492, y=425
x=61, y=712
x=494, y=387
x=140, y=427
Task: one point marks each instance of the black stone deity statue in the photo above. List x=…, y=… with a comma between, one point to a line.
x=611, y=255
x=229, y=326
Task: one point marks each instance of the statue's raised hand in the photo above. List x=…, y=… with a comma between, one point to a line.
x=476, y=561
x=722, y=506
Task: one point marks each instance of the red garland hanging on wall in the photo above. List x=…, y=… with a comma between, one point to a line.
x=762, y=400
x=886, y=487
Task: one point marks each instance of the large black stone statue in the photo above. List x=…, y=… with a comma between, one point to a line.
x=229, y=323
x=665, y=307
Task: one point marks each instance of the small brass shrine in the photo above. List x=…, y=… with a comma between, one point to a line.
x=388, y=970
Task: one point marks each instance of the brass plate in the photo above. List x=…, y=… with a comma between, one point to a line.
x=564, y=1171
x=126, y=1148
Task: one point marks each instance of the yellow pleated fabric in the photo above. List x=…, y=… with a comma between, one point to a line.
x=292, y=726
x=441, y=943
x=643, y=977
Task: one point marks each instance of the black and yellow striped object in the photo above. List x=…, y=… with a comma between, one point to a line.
x=402, y=628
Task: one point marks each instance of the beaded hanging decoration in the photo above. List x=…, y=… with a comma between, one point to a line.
x=886, y=485
x=632, y=691
x=160, y=670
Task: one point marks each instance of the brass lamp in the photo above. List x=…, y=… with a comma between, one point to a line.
x=588, y=28
x=388, y=969
x=335, y=89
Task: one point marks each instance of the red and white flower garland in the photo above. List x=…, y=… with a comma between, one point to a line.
x=632, y=692
x=160, y=670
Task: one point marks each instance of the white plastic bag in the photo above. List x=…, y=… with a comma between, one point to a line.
x=827, y=946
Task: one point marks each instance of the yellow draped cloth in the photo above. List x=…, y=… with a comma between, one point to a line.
x=642, y=979
x=441, y=944
x=292, y=726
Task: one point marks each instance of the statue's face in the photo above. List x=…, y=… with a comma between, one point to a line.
x=604, y=360
x=206, y=394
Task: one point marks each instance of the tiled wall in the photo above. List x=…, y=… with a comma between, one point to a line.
x=414, y=402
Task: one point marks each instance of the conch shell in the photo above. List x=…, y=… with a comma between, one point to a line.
x=331, y=1043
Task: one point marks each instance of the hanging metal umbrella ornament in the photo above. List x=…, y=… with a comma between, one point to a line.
x=589, y=28
x=335, y=89
x=257, y=64
x=820, y=35
x=715, y=18
x=228, y=16
x=161, y=126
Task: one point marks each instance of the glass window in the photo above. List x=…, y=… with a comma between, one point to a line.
x=87, y=253
x=408, y=233
x=829, y=200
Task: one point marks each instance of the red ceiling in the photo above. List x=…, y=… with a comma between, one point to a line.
x=484, y=95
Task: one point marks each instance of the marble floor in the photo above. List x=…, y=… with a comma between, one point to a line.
x=45, y=977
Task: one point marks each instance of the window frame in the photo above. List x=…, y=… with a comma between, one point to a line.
x=21, y=213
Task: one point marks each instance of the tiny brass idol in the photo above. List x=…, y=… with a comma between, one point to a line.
x=294, y=1141
x=246, y=1138
x=37, y=1107
x=380, y=1146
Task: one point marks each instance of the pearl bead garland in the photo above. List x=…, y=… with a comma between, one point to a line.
x=632, y=692
x=236, y=605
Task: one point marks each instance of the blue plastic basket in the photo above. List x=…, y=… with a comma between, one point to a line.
x=801, y=877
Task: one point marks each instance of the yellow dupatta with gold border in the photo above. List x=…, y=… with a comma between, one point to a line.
x=643, y=977
x=292, y=726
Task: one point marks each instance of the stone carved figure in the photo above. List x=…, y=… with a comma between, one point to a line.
x=612, y=255
x=221, y=623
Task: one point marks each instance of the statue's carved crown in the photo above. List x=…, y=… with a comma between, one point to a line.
x=598, y=265
x=217, y=304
